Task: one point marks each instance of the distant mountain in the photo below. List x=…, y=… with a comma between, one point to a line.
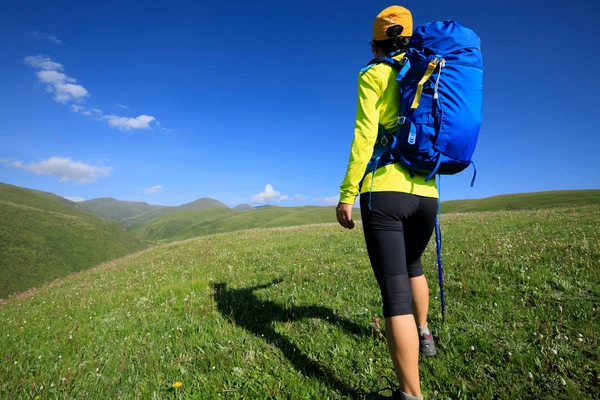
x=44, y=237
x=117, y=209
x=201, y=204
x=267, y=205
x=132, y=212
x=243, y=207
x=153, y=212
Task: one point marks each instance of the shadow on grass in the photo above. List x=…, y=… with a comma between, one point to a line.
x=243, y=308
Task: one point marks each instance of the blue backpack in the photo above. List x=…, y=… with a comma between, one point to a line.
x=441, y=79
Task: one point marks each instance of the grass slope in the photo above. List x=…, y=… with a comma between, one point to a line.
x=189, y=224
x=60, y=199
x=42, y=239
x=144, y=218
x=289, y=313
x=525, y=201
x=117, y=209
x=201, y=204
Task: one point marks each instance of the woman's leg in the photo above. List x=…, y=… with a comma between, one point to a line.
x=403, y=344
x=420, y=293
x=384, y=235
x=417, y=233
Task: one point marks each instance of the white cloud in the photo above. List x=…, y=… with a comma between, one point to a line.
x=45, y=36
x=154, y=189
x=269, y=195
x=65, y=92
x=127, y=124
x=66, y=169
x=300, y=197
x=83, y=111
x=75, y=199
x=42, y=62
x=51, y=76
x=63, y=86
x=4, y=160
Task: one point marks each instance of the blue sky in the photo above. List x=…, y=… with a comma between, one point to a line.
x=170, y=102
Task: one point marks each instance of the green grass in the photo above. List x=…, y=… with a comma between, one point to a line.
x=188, y=224
x=287, y=313
x=42, y=239
x=525, y=201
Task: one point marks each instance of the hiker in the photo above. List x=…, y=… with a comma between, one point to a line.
x=398, y=208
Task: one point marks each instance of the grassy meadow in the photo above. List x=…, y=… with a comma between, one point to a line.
x=291, y=313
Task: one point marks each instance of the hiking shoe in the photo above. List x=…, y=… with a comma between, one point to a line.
x=426, y=345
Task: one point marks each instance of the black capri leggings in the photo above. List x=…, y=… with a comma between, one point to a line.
x=397, y=230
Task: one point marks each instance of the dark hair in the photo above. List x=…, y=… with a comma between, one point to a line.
x=395, y=43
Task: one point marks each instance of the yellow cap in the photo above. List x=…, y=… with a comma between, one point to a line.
x=392, y=16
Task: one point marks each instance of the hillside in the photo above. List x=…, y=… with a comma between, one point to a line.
x=42, y=239
x=131, y=213
x=525, y=201
x=200, y=204
x=294, y=313
x=188, y=224
x=117, y=209
x=60, y=199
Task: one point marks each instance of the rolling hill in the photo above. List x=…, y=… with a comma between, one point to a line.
x=43, y=238
x=200, y=204
x=117, y=209
x=188, y=224
x=60, y=199
x=131, y=213
x=525, y=201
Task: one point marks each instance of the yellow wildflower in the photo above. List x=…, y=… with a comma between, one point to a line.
x=177, y=385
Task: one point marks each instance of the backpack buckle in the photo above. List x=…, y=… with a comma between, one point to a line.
x=384, y=141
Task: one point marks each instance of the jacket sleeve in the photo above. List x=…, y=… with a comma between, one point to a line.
x=365, y=133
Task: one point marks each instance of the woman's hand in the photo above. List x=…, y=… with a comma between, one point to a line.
x=343, y=212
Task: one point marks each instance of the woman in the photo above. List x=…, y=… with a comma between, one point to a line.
x=398, y=211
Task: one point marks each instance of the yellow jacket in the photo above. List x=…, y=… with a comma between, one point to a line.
x=378, y=102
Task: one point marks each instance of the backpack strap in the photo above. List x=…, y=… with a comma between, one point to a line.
x=430, y=68
x=405, y=66
x=402, y=65
x=384, y=145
